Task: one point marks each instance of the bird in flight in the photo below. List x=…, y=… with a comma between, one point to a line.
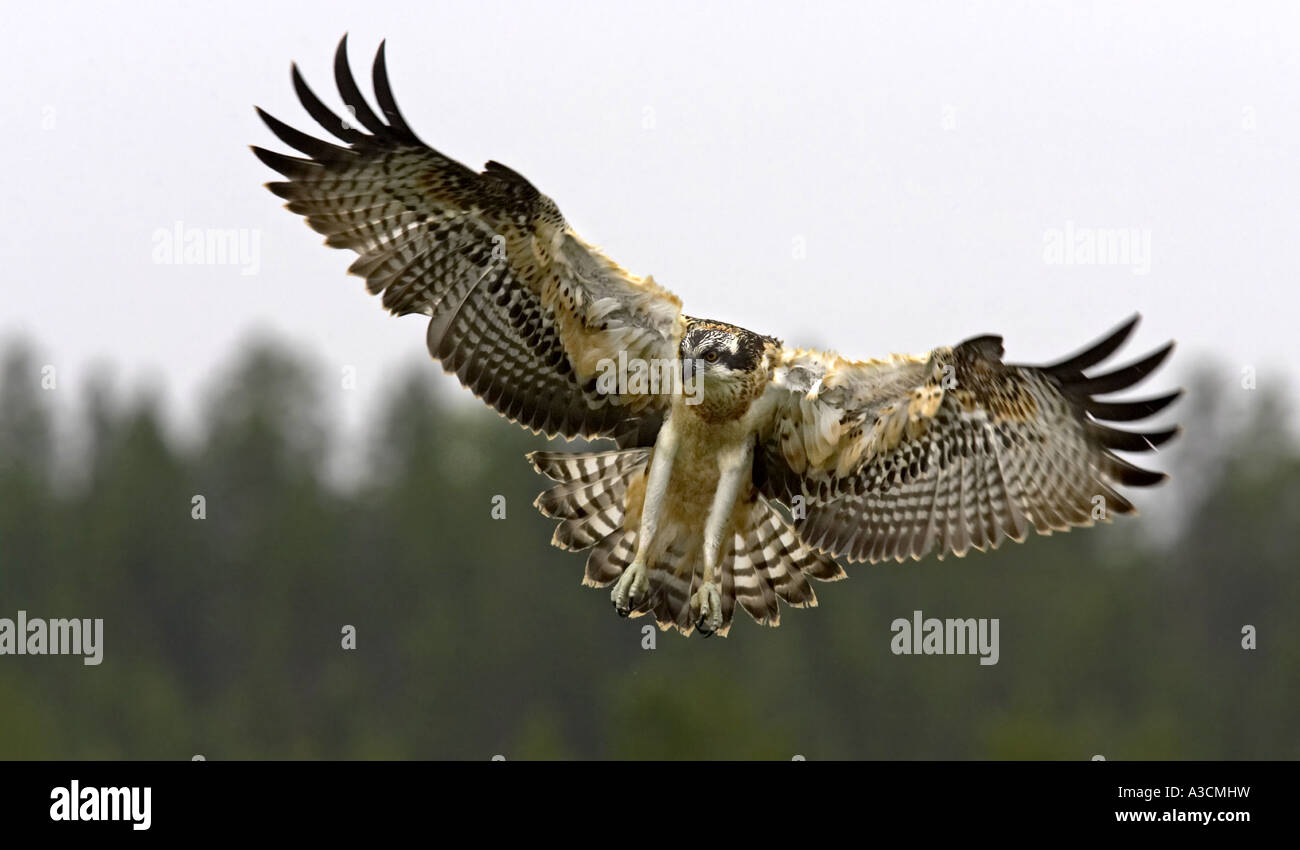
x=713, y=425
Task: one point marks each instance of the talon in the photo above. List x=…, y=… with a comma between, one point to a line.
x=630, y=589
x=707, y=602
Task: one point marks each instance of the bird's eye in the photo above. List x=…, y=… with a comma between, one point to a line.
x=711, y=356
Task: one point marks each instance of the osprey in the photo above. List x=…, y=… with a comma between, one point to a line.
x=894, y=458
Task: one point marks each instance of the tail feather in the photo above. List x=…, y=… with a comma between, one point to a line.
x=728, y=595
x=587, y=467
x=762, y=564
x=753, y=591
x=673, y=580
x=786, y=558
x=591, y=486
x=583, y=532
x=578, y=498
x=589, y=501
x=610, y=557
x=767, y=563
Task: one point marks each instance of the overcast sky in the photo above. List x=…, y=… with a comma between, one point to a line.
x=868, y=177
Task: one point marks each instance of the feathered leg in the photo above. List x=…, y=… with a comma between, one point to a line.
x=734, y=469
x=630, y=590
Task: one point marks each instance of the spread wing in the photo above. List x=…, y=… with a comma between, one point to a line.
x=521, y=309
x=895, y=458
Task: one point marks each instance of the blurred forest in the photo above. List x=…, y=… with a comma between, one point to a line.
x=222, y=635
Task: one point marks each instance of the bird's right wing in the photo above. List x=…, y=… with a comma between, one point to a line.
x=522, y=310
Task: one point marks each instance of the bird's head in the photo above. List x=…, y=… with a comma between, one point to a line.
x=728, y=364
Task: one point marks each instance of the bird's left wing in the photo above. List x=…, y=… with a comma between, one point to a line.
x=522, y=310
x=953, y=450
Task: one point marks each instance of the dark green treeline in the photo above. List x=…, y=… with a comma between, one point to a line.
x=222, y=635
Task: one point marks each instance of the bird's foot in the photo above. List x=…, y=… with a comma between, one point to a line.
x=630, y=590
x=706, y=604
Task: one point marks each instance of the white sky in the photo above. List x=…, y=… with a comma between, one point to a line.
x=920, y=151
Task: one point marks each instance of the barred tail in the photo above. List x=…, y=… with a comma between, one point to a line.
x=762, y=563
x=589, y=501
x=770, y=562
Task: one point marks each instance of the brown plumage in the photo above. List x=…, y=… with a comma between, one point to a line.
x=879, y=459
